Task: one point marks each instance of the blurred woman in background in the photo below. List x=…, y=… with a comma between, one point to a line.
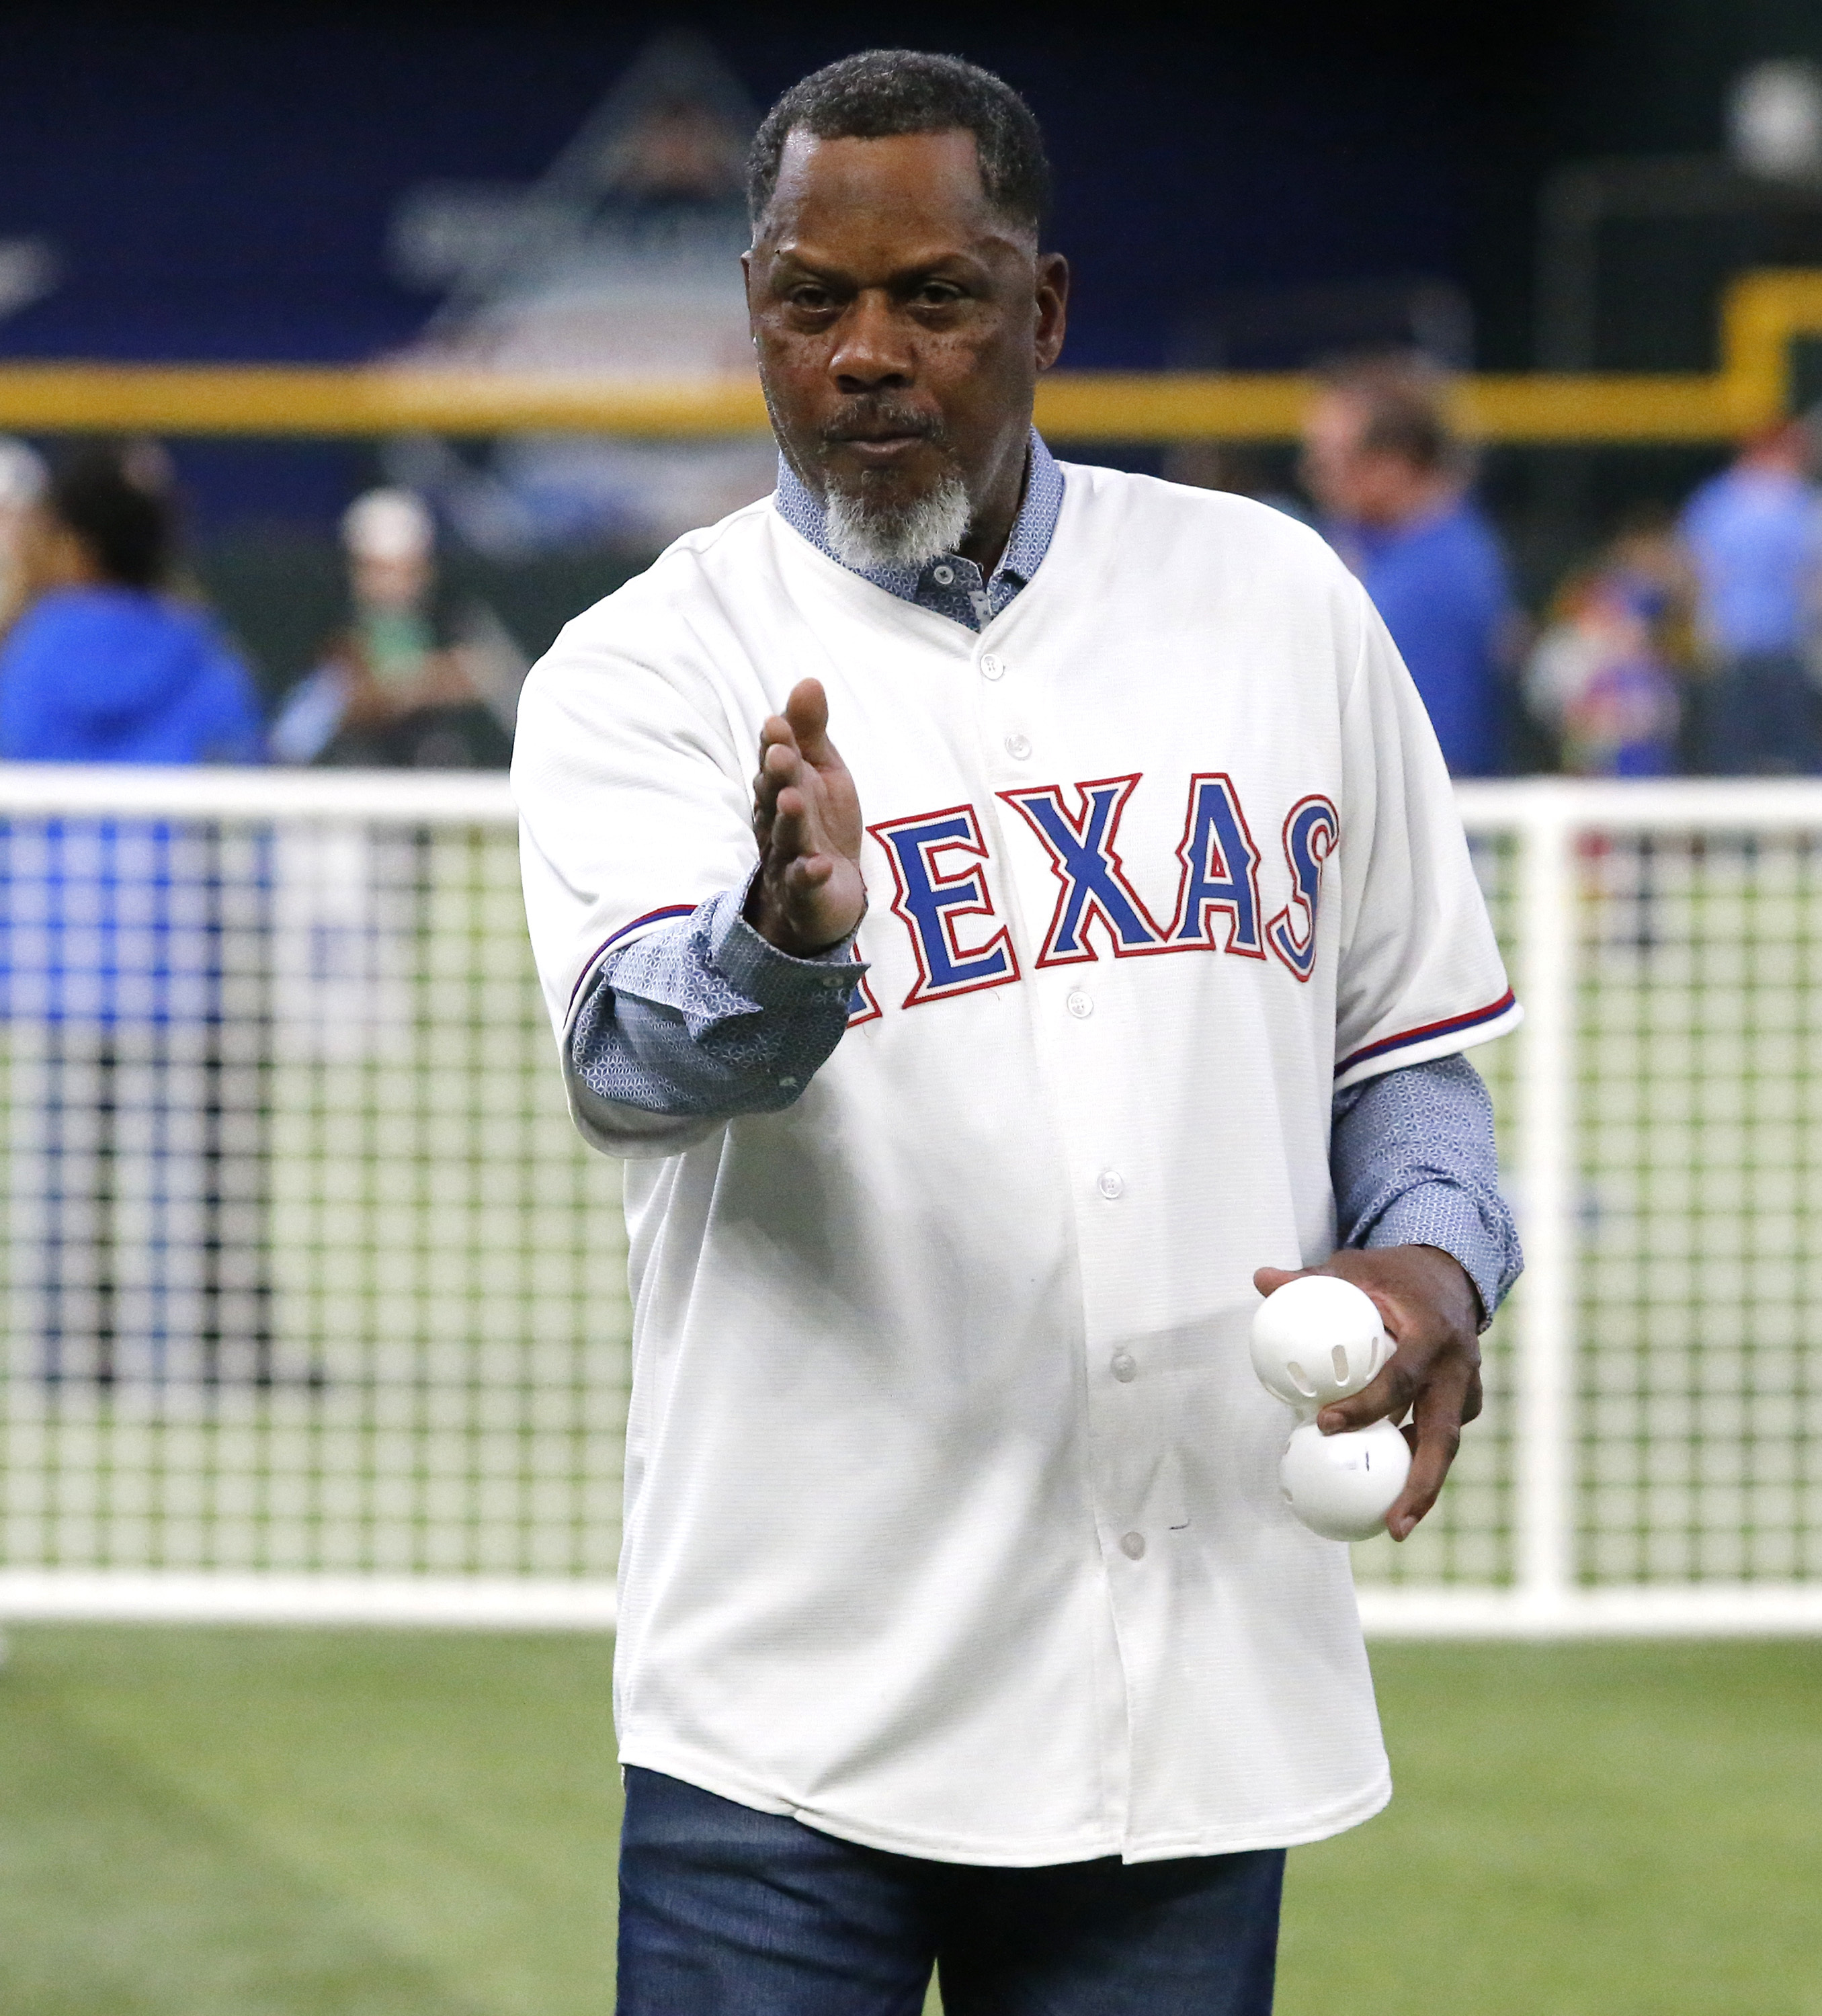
x=22, y=483
x=132, y=972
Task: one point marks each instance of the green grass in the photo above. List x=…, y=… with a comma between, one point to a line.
x=197, y=1823
x=230, y=1823
x=1590, y=1831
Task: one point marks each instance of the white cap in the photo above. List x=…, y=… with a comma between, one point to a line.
x=22, y=474
x=389, y=525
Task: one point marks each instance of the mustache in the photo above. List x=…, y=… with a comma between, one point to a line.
x=878, y=415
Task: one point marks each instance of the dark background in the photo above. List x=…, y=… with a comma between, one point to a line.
x=218, y=184
x=219, y=181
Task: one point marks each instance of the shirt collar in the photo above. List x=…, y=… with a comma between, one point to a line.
x=1032, y=533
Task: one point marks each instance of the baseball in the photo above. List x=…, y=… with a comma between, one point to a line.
x=1342, y=1486
x=1317, y=1340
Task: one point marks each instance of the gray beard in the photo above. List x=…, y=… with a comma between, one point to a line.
x=862, y=534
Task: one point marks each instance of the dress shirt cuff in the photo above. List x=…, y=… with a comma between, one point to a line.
x=1438, y=1214
x=753, y=966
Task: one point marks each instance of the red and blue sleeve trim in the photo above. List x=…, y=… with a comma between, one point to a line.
x=607, y=945
x=1452, y=1025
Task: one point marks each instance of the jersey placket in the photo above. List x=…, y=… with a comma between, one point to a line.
x=1082, y=1031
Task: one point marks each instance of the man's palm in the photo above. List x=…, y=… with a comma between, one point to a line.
x=806, y=818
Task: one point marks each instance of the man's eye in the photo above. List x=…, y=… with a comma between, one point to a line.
x=814, y=299
x=937, y=294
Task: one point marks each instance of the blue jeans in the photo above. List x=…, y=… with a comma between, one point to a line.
x=728, y=1912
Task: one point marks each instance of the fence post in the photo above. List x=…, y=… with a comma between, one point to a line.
x=1548, y=1168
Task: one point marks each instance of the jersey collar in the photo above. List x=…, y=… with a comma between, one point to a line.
x=951, y=585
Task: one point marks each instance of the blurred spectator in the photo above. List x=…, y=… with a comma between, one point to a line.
x=1604, y=678
x=1391, y=481
x=22, y=483
x=388, y=692
x=1754, y=538
x=103, y=666
x=127, y=1179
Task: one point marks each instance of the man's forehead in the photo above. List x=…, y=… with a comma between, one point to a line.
x=922, y=186
x=1338, y=410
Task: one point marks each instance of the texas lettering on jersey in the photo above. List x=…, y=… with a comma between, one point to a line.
x=938, y=862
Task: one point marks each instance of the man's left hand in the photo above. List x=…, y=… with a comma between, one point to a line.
x=1432, y=1311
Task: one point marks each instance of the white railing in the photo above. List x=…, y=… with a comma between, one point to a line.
x=319, y=1308
x=357, y=1355
x=1651, y=1461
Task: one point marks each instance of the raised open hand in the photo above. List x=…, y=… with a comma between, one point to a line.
x=1431, y=1312
x=808, y=894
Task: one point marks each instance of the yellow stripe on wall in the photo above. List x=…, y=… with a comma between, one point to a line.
x=1762, y=314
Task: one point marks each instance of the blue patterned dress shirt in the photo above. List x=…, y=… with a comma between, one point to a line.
x=703, y=1019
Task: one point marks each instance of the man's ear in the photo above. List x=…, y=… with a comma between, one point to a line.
x=1052, y=304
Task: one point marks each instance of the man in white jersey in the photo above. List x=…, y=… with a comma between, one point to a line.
x=973, y=1082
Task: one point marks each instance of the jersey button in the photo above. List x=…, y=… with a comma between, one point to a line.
x=1112, y=1184
x=1125, y=1367
x=991, y=667
x=1132, y=1546
x=1018, y=747
x=942, y=576
x=1079, y=1005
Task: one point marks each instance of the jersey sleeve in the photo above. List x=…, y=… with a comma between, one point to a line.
x=1420, y=975
x=633, y=797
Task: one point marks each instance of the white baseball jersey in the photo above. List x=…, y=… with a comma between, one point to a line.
x=953, y=1520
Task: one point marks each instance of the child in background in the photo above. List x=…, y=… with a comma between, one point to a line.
x=1604, y=677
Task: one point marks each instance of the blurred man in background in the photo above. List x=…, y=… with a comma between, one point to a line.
x=390, y=692
x=410, y=683
x=1754, y=538
x=1390, y=479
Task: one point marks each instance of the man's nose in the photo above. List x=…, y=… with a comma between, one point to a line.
x=872, y=352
